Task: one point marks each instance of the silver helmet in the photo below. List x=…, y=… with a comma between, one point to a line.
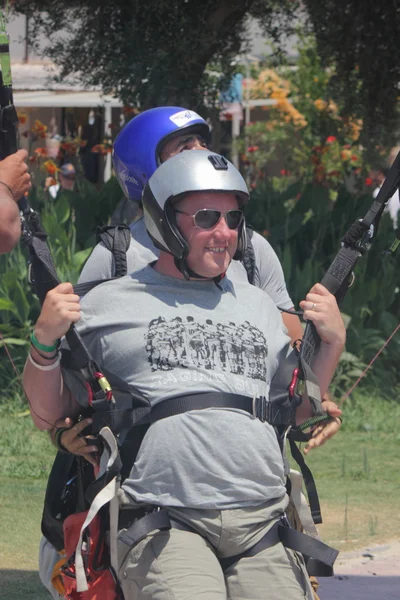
x=191, y=171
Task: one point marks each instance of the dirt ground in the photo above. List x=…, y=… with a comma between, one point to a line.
x=371, y=573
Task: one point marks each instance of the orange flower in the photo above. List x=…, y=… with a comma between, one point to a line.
x=101, y=149
x=345, y=154
x=41, y=152
x=320, y=104
x=129, y=110
x=22, y=118
x=50, y=167
x=69, y=147
x=39, y=129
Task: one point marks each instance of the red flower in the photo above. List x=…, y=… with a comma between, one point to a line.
x=354, y=158
x=285, y=172
x=330, y=139
x=253, y=148
x=368, y=181
x=41, y=151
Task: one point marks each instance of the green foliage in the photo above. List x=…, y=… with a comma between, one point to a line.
x=153, y=53
x=305, y=229
x=19, y=307
x=370, y=414
x=358, y=41
x=304, y=130
x=306, y=209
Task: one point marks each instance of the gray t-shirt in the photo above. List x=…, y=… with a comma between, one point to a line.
x=268, y=276
x=169, y=337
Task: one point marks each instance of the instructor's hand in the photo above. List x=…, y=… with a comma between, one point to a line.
x=14, y=173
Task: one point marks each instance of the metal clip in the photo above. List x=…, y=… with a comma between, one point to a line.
x=103, y=383
x=293, y=383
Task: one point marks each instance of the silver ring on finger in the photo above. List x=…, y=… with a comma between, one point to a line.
x=314, y=306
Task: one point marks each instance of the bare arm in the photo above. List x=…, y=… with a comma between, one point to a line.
x=321, y=308
x=15, y=182
x=293, y=325
x=10, y=224
x=49, y=399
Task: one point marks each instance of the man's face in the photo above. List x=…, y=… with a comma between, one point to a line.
x=211, y=250
x=180, y=143
x=67, y=183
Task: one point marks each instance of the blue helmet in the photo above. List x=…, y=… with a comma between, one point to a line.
x=138, y=145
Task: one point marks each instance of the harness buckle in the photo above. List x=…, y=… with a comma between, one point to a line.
x=260, y=408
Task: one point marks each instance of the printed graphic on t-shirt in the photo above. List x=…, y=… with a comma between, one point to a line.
x=237, y=349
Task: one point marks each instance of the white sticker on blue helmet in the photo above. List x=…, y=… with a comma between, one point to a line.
x=183, y=117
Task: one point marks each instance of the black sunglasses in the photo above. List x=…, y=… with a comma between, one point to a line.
x=207, y=218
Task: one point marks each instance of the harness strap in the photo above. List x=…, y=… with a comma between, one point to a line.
x=258, y=407
x=309, y=482
x=116, y=238
x=106, y=495
x=81, y=289
x=136, y=529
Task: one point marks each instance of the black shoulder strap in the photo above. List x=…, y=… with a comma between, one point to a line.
x=116, y=239
x=249, y=258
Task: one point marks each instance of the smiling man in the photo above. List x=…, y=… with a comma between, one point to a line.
x=181, y=327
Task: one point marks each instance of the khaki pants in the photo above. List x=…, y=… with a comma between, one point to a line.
x=181, y=565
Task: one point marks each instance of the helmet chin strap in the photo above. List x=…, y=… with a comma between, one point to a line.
x=182, y=266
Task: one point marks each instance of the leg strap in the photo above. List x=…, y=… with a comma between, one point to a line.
x=299, y=542
x=139, y=526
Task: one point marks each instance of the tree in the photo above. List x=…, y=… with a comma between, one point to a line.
x=359, y=40
x=154, y=52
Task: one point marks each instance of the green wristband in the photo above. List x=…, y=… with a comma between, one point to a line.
x=42, y=347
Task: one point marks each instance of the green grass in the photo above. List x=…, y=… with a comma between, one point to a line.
x=25, y=459
x=357, y=474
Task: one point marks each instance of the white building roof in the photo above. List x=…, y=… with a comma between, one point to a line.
x=40, y=76
x=48, y=98
x=33, y=86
